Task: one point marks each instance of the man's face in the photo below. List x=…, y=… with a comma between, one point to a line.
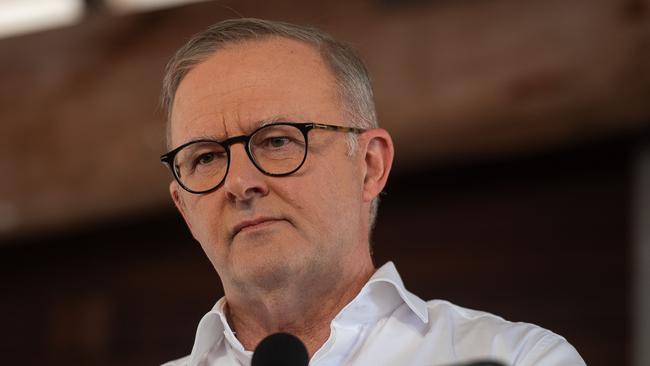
x=313, y=221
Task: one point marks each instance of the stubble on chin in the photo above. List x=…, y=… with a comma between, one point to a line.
x=291, y=276
x=268, y=278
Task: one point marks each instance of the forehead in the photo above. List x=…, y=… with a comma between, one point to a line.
x=248, y=83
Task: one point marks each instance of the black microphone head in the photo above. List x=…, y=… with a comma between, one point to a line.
x=280, y=349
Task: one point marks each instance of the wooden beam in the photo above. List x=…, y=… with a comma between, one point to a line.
x=82, y=130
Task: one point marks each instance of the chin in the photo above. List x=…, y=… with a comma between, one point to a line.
x=265, y=273
x=276, y=268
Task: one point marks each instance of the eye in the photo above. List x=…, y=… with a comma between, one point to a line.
x=277, y=142
x=280, y=138
x=205, y=158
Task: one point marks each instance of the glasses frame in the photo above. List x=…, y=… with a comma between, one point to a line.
x=168, y=158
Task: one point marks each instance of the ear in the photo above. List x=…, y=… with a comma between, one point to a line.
x=378, y=158
x=174, y=191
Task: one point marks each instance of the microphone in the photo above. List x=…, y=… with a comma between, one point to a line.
x=479, y=363
x=280, y=349
x=284, y=349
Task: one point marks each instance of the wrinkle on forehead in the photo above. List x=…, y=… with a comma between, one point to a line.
x=248, y=131
x=225, y=127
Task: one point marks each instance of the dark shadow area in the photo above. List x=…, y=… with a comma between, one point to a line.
x=542, y=238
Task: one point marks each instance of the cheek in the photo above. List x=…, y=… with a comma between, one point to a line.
x=205, y=221
x=333, y=196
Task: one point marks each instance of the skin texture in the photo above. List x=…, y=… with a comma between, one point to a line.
x=307, y=254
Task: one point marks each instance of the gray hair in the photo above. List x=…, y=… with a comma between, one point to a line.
x=351, y=76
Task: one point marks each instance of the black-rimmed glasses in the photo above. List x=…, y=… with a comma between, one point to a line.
x=277, y=149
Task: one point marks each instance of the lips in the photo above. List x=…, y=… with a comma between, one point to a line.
x=243, y=225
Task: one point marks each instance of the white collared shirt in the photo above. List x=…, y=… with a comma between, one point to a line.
x=387, y=325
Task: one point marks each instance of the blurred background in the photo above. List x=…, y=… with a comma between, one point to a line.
x=521, y=184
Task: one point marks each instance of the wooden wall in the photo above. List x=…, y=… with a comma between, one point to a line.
x=454, y=80
x=514, y=122
x=542, y=238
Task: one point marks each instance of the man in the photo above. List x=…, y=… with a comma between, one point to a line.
x=278, y=162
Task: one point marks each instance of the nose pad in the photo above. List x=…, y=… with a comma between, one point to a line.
x=244, y=180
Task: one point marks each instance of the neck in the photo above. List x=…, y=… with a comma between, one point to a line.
x=304, y=311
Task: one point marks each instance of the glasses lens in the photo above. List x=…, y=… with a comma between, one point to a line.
x=201, y=166
x=278, y=149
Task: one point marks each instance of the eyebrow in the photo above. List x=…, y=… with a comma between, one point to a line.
x=255, y=126
x=270, y=121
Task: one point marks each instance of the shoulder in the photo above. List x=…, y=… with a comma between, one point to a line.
x=179, y=362
x=517, y=343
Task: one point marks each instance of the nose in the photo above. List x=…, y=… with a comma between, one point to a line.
x=244, y=181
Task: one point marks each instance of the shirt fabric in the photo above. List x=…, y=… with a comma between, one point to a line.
x=387, y=325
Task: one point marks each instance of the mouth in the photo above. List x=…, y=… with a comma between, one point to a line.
x=257, y=223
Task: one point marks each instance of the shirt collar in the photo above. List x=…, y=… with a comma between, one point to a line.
x=382, y=294
x=388, y=273
x=210, y=331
